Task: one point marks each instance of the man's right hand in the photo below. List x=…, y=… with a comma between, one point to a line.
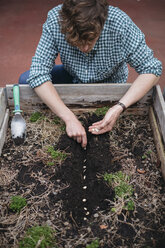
x=75, y=130
x=51, y=98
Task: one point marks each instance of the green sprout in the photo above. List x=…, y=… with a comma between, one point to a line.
x=50, y=163
x=35, y=116
x=147, y=153
x=101, y=111
x=113, y=210
x=123, y=190
x=58, y=121
x=56, y=154
x=39, y=236
x=17, y=203
x=130, y=205
x=94, y=244
x=63, y=127
x=116, y=177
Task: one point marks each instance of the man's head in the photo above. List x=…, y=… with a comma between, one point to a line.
x=82, y=21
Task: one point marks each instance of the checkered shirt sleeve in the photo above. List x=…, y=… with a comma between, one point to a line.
x=44, y=59
x=138, y=55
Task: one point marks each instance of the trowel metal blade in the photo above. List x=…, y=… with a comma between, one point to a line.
x=18, y=129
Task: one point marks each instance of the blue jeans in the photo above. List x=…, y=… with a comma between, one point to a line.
x=59, y=76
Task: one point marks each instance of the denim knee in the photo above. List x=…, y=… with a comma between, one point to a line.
x=23, y=77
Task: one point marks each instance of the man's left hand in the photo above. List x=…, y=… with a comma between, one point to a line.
x=107, y=123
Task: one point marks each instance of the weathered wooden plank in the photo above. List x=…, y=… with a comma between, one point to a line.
x=77, y=94
x=158, y=141
x=159, y=108
x=3, y=130
x=3, y=105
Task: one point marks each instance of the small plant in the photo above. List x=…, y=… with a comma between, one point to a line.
x=40, y=237
x=117, y=177
x=146, y=154
x=94, y=244
x=35, y=116
x=59, y=122
x=56, y=154
x=63, y=127
x=130, y=205
x=101, y=111
x=50, y=163
x=17, y=203
x=123, y=190
x=56, y=120
x=113, y=210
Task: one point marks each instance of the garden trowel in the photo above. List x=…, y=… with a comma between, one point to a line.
x=18, y=124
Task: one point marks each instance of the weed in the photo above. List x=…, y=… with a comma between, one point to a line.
x=116, y=177
x=123, y=190
x=39, y=236
x=94, y=244
x=113, y=210
x=17, y=203
x=147, y=153
x=101, y=111
x=130, y=205
x=50, y=163
x=58, y=121
x=35, y=116
x=63, y=127
x=56, y=154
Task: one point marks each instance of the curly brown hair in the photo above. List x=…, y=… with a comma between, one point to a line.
x=82, y=20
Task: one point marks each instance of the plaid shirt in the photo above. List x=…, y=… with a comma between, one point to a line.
x=120, y=42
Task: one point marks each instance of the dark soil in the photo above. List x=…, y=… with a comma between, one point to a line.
x=56, y=195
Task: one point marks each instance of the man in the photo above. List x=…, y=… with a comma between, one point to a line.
x=95, y=42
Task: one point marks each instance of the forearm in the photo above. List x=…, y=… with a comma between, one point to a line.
x=51, y=98
x=139, y=88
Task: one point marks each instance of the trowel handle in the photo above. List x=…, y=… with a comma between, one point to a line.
x=16, y=98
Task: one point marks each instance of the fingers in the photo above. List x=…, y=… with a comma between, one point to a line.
x=81, y=139
x=101, y=127
x=84, y=140
x=78, y=139
x=98, y=127
x=76, y=131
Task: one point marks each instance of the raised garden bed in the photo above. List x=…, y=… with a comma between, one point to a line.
x=109, y=195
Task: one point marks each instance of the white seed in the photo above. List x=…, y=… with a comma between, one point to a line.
x=87, y=213
x=85, y=218
x=84, y=167
x=85, y=160
x=84, y=171
x=85, y=187
x=95, y=130
x=84, y=200
x=85, y=208
x=84, y=177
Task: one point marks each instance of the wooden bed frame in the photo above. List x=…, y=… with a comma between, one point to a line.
x=84, y=96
